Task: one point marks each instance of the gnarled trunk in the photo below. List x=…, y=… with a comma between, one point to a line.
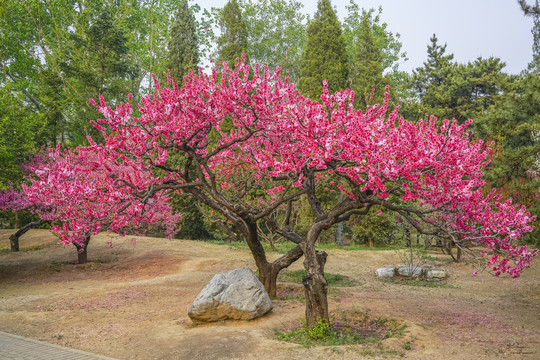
x=315, y=284
x=82, y=250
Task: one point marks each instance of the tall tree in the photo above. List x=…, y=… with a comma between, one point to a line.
x=433, y=73
x=375, y=52
x=277, y=33
x=183, y=43
x=325, y=55
x=367, y=78
x=233, y=41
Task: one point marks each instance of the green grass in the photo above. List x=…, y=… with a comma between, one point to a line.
x=295, y=276
x=353, y=327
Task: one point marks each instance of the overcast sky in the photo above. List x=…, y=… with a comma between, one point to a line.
x=471, y=28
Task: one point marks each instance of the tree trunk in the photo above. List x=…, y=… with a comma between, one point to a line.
x=339, y=234
x=14, y=238
x=315, y=284
x=82, y=251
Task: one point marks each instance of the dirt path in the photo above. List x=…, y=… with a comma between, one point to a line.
x=131, y=303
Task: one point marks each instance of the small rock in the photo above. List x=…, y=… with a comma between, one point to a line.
x=386, y=272
x=236, y=294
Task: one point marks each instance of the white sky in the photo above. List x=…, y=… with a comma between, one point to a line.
x=471, y=28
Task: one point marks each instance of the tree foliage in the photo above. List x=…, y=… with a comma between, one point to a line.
x=455, y=91
x=277, y=33
x=374, y=54
x=183, y=43
x=233, y=41
x=325, y=55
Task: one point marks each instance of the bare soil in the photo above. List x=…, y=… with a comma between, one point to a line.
x=131, y=302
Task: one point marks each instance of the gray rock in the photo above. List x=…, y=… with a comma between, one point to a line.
x=409, y=271
x=236, y=294
x=386, y=272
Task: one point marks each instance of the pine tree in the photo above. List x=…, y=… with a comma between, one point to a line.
x=435, y=69
x=367, y=79
x=325, y=56
x=233, y=41
x=183, y=44
x=450, y=90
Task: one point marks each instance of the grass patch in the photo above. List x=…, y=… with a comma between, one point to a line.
x=352, y=327
x=295, y=276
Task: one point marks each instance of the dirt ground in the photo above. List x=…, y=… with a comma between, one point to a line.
x=131, y=303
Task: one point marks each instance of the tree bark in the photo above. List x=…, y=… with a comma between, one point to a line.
x=82, y=251
x=315, y=284
x=14, y=238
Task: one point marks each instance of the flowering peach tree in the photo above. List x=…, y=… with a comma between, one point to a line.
x=74, y=191
x=246, y=145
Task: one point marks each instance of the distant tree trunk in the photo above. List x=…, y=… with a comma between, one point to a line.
x=340, y=226
x=14, y=238
x=339, y=234
x=82, y=250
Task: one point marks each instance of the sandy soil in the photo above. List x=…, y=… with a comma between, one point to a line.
x=131, y=303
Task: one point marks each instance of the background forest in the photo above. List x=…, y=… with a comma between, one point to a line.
x=56, y=55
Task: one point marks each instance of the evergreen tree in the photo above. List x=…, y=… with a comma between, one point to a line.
x=183, y=44
x=450, y=90
x=378, y=52
x=367, y=79
x=435, y=71
x=325, y=56
x=233, y=41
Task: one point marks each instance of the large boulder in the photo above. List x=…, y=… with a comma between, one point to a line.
x=236, y=294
